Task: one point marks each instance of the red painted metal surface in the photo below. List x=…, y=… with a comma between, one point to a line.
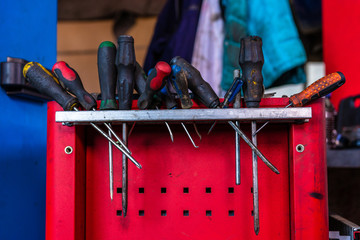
x=340, y=44
x=188, y=193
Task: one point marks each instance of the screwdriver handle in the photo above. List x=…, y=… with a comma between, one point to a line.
x=319, y=88
x=140, y=79
x=169, y=99
x=48, y=84
x=154, y=83
x=72, y=83
x=232, y=92
x=180, y=83
x=251, y=60
x=107, y=75
x=125, y=63
x=197, y=84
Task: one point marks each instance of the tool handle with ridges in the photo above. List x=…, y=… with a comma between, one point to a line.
x=154, y=83
x=125, y=63
x=179, y=82
x=48, y=84
x=320, y=88
x=72, y=83
x=107, y=75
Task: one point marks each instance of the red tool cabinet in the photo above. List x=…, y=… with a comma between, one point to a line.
x=187, y=193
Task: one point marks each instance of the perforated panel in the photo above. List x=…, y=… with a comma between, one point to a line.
x=187, y=193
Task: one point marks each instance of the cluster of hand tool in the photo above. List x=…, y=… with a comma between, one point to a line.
x=169, y=85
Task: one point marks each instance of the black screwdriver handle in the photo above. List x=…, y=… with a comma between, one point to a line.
x=251, y=61
x=72, y=83
x=154, y=83
x=125, y=64
x=180, y=83
x=107, y=75
x=46, y=83
x=140, y=79
x=197, y=84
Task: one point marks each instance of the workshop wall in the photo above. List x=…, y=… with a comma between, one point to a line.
x=28, y=30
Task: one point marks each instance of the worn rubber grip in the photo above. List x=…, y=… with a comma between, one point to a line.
x=320, y=88
x=140, y=79
x=154, y=83
x=72, y=83
x=125, y=63
x=180, y=83
x=107, y=75
x=46, y=83
x=251, y=60
x=202, y=90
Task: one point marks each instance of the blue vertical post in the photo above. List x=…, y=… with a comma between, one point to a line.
x=27, y=30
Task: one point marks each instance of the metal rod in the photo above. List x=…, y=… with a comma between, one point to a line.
x=237, y=156
x=255, y=182
x=211, y=128
x=187, y=132
x=111, y=183
x=115, y=135
x=114, y=143
x=261, y=156
x=196, y=130
x=168, y=127
x=124, y=171
x=266, y=123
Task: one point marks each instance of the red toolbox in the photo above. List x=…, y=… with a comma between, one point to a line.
x=187, y=193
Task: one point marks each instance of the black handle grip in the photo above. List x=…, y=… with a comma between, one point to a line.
x=180, y=83
x=72, y=82
x=107, y=75
x=125, y=63
x=154, y=83
x=251, y=60
x=46, y=83
x=140, y=79
x=197, y=84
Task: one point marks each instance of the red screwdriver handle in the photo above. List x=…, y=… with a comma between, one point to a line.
x=72, y=83
x=154, y=83
x=320, y=88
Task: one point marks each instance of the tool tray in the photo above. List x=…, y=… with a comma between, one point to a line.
x=183, y=192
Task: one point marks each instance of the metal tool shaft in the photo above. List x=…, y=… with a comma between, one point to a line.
x=114, y=143
x=237, y=156
x=256, y=150
x=111, y=183
x=187, y=132
x=255, y=181
x=124, y=171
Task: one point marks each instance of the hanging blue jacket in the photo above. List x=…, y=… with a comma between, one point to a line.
x=271, y=20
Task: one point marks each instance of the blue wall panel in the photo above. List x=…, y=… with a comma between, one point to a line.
x=27, y=30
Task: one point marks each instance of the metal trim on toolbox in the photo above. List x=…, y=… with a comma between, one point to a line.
x=291, y=114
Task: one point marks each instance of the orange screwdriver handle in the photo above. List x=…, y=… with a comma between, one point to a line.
x=318, y=89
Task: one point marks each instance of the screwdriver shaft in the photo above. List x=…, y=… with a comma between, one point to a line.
x=256, y=150
x=124, y=171
x=237, y=156
x=255, y=181
x=187, y=132
x=111, y=183
x=138, y=165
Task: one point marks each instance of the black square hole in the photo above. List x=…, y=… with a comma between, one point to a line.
x=163, y=212
x=252, y=212
x=208, y=190
x=186, y=212
x=163, y=190
x=186, y=190
x=208, y=212
x=231, y=190
x=141, y=190
x=118, y=212
x=141, y=212
x=119, y=190
x=231, y=213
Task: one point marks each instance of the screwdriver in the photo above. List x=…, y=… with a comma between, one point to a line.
x=107, y=78
x=318, y=89
x=237, y=103
x=208, y=97
x=180, y=84
x=140, y=85
x=72, y=82
x=126, y=64
x=48, y=84
x=251, y=60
